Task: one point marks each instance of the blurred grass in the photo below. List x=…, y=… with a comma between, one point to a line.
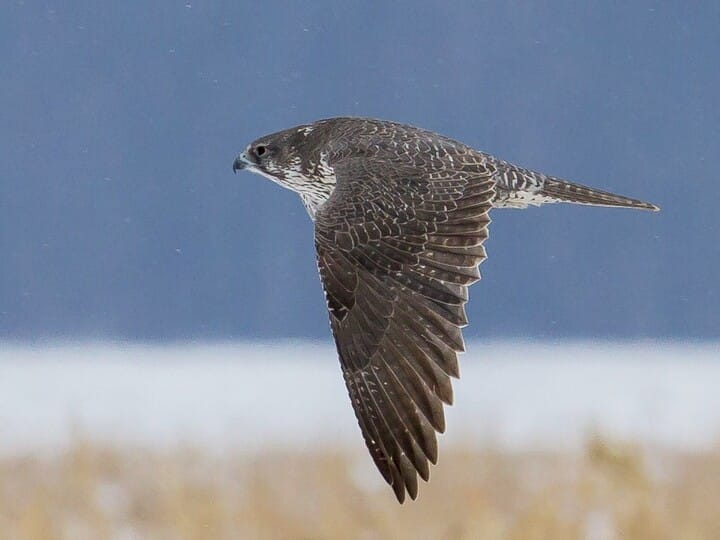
x=609, y=490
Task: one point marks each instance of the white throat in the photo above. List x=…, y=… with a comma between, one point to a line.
x=312, y=193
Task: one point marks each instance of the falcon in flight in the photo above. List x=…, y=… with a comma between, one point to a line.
x=401, y=215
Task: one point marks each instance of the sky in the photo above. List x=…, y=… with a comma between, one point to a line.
x=120, y=217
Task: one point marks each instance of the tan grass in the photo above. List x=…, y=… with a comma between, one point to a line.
x=609, y=491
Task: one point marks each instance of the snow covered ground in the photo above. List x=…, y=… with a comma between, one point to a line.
x=248, y=396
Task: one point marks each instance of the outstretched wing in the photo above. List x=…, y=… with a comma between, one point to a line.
x=397, y=246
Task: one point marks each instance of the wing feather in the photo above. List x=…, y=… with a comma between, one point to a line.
x=398, y=245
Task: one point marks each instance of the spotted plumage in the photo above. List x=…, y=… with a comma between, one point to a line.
x=401, y=215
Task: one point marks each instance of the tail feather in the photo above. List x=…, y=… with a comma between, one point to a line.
x=564, y=191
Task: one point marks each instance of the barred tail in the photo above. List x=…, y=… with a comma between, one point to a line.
x=564, y=191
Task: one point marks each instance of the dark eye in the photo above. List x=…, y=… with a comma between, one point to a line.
x=260, y=150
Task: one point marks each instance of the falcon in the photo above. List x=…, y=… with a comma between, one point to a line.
x=400, y=216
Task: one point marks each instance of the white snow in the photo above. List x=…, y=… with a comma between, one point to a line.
x=252, y=395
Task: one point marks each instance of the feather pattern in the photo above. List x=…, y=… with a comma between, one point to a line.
x=401, y=216
x=398, y=329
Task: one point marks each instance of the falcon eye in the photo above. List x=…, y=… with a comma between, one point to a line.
x=260, y=150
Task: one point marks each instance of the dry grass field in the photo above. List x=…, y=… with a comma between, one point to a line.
x=609, y=490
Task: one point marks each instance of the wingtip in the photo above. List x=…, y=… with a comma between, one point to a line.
x=399, y=493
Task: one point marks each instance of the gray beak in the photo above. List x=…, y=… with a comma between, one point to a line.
x=241, y=162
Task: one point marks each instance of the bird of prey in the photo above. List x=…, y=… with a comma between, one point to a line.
x=401, y=215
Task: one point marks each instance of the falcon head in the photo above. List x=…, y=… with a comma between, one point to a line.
x=294, y=158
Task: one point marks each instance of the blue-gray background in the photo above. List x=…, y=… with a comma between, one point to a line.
x=120, y=217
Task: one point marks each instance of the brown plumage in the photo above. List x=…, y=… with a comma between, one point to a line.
x=401, y=215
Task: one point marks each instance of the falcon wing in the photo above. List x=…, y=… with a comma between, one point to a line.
x=397, y=248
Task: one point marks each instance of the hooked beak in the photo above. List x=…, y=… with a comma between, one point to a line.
x=241, y=162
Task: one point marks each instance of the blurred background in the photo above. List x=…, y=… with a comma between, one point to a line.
x=166, y=368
